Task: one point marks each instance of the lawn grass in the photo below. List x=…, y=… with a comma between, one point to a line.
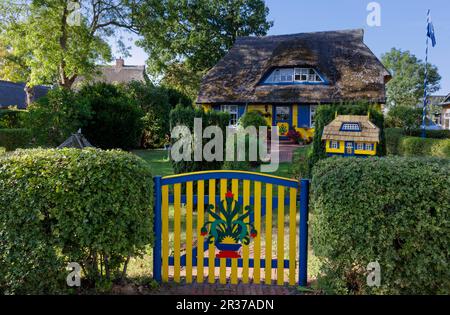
x=158, y=160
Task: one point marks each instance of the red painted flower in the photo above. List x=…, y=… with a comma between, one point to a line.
x=253, y=233
x=203, y=231
x=229, y=194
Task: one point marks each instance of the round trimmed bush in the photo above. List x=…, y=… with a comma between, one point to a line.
x=391, y=210
x=88, y=206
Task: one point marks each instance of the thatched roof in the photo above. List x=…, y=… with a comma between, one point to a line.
x=369, y=132
x=350, y=67
x=76, y=140
x=118, y=73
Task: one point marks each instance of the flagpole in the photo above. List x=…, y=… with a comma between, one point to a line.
x=425, y=83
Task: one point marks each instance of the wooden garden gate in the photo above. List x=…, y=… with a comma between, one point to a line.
x=230, y=225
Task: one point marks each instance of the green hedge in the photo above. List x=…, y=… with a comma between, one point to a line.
x=57, y=206
x=393, y=136
x=414, y=146
x=185, y=116
x=12, y=118
x=433, y=134
x=391, y=210
x=12, y=139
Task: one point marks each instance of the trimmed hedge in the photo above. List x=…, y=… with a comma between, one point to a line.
x=393, y=136
x=12, y=139
x=57, y=206
x=433, y=134
x=414, y=146
x=391, y=210
x=184, y=116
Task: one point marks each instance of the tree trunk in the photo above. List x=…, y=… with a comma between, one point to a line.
x=29, y=95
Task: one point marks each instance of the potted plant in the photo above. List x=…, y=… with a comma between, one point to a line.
x=228, y=231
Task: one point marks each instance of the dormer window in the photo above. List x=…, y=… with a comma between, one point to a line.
x=350, y=127
x=294, y=76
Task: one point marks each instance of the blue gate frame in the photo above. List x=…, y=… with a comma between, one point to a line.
x=303, y=225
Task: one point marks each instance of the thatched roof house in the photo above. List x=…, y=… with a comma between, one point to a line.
x=116, y=74
x=351, y=70
x=295, y=73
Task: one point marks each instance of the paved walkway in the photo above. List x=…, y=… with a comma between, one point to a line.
x=206, y=289
x=286, y=150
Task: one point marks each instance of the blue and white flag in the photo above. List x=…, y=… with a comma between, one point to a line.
x=430, y=30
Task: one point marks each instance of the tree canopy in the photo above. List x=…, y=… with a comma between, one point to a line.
x=408, y=74
x=46, y=41
x=185, y=38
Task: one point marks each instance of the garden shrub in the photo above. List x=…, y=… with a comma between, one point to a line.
x=117, y=118
x=300, y=163
x=393, y=136
x=12, y=139
x=54, y=117
x=12, y=118
x=433, y=134
x=414, y=146
x=253, y=118
x=156, y=102
x=88, y=206
x=326, y=113
x=184, y=116
x=404, y=117
x=390, y=210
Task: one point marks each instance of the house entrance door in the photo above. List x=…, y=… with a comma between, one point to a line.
x=283, y=119
x=349, y=148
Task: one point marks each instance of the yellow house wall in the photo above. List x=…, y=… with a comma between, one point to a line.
x=261, y=108
x=367, y=152
x=341, y=149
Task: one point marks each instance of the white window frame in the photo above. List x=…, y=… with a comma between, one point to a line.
x=350, y=127
x=288, y=75
x=360, y=146
x=334, y=144
x=233, y=110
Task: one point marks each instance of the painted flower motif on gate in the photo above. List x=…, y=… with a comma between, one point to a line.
x=228, y=231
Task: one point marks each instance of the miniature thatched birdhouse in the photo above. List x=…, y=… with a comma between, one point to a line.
x=351, y=135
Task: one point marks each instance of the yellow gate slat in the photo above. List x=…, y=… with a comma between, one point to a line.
x=292, y=233
x=189, y=197
x=165, y=233
x=177, y=231
x=223, y=261
x=245, y=247
x=268, y=253
x=234, y=268
x=257, y=245
x=200, y=222
x=280, y=239
x=212, y=248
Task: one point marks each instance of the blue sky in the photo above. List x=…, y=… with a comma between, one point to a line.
x=403, y=25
